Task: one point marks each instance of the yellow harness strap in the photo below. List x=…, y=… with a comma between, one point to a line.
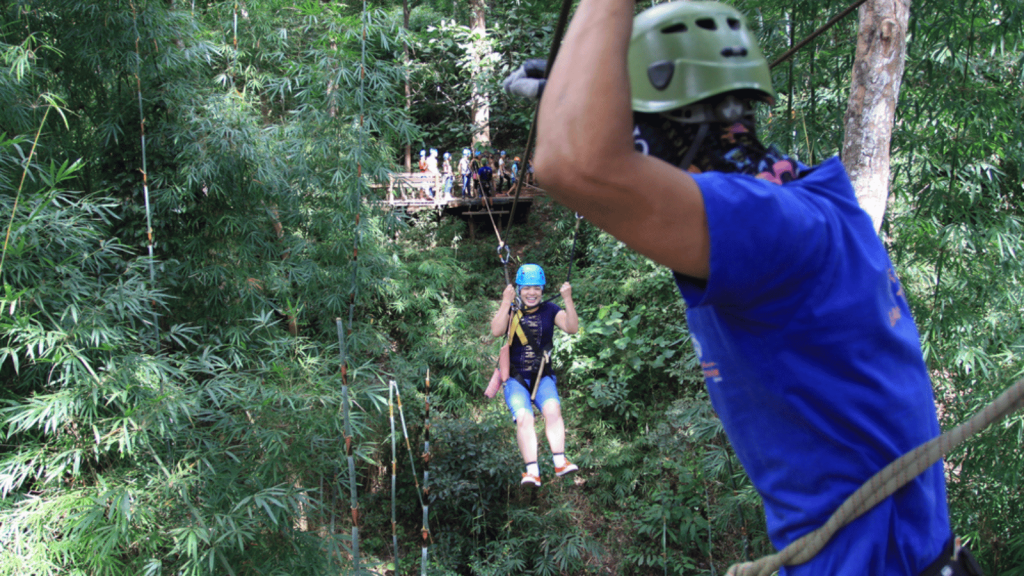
x=517, y=329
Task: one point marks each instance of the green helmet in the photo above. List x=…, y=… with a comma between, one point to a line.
x=684, y=52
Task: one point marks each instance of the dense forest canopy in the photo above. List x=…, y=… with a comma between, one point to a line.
x=189, y=229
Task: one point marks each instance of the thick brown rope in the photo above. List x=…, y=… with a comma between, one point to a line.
x=884, y=483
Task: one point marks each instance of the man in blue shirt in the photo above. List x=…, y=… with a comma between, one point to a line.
x=808, y=349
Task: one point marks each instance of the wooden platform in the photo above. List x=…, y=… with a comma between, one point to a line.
x=408, y=192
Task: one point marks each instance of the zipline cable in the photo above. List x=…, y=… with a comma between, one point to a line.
x=556, y=43
x=884, y=483
x=796, y=48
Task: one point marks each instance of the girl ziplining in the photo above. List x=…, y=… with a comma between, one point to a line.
x=532, y=382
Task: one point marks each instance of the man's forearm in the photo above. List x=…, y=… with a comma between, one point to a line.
x=585, y=118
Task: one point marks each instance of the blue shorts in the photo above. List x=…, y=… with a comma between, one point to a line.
x=517, y=396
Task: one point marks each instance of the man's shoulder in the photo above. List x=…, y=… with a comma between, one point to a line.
x=828, y=179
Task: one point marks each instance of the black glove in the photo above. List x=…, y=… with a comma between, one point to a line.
x=527, y=81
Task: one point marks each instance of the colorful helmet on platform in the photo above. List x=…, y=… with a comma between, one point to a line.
x=423, y=153
x=433, y=151
x=502, y=152
x=465, y=151
x=516, y=159
x=447, y=155
x=530, y=275
x=683, y=52
x=477, y=152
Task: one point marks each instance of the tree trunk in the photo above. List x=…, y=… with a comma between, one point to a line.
x=481, y=104
x=408, y=89
x=874, y=92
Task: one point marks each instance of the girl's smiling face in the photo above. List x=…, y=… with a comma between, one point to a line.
x=531, y=295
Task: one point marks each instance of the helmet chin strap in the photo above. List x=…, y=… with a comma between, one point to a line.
x=691, y=154
x=728, y=110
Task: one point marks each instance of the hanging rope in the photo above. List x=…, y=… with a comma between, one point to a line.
x=884, y=483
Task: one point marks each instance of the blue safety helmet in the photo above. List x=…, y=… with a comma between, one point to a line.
x=530, y=275
x=423, y=153
x=502, y=152
x=447, y=155
x=477, y=152
x=433, y=151
x=465, y=151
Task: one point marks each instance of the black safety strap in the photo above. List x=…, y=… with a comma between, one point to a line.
x=955, y=560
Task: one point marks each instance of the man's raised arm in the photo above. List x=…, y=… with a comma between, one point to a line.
x=585, y=154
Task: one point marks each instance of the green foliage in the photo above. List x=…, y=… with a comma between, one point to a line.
x=219, y=449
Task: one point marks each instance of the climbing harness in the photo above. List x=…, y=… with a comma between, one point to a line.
x=884, y=483
x=526, y=338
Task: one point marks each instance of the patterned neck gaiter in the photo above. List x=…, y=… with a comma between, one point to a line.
x=724, y=148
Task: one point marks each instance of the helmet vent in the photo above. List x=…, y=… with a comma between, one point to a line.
x=707, y=24
x=673, y=29
x=734, y=51
x=734, y=23
x=660, y=73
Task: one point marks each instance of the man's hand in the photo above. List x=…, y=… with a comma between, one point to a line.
x=566, y=291
x=527, y=81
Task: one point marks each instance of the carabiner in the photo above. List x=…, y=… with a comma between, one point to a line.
x=508, y=253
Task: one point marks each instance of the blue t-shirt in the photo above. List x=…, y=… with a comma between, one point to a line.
x=814, y=365
x=540, y=325
x=485, y=173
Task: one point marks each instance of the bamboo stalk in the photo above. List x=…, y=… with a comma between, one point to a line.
x=408, y=446
x=425, y=501
x=21, y=183
x=354, y=506
x=354, y=502
x=145, y=184
x=392, y=386
x=664, y=534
